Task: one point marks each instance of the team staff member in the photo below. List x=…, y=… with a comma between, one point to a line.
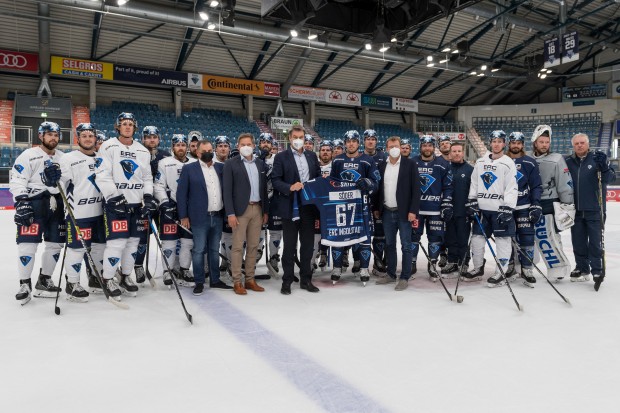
x=247, y=206
x=201, y=187
x=398, y=202
x=291, y=169
x=590, y=170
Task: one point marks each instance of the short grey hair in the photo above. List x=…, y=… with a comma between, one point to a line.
x=579, y=135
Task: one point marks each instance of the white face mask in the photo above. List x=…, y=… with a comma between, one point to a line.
x=246, y=151
x=394, y=152
x=298, y=143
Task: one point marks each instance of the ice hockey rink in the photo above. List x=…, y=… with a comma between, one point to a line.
x=346, y=349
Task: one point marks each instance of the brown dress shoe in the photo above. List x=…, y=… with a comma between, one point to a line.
x=239, y=289
x=252, y=285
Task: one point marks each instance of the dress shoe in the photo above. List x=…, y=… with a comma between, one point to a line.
x=308, y=286
x=239, y=289
x=198, y=289
x=221, y=285
x=252, y=285
x=286, y=288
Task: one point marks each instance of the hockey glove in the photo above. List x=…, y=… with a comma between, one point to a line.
x=168, y=209
x=601, y=161
x=446, y=211
x=24, y=213
x=534, y=213
x=51, y=175
x=471, y=207
x=149, y=205
x=117, y=205
x=504, y=216
x=364, y=184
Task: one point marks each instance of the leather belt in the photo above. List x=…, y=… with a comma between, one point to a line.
x=214, y=213
x=390, y=208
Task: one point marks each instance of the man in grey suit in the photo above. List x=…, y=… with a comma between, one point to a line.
x=247, y=207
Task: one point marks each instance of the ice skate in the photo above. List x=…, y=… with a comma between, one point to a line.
x=45, y=288
x=24, y=294
x=496, y=280
x=528, y=277
x=75, y=292
x=364, y=276
x=128, y=287
x=450, y=270
x=335, y=276
x=577, y=275
x=433, y=275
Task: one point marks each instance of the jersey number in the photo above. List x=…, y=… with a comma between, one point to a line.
x=341, y=214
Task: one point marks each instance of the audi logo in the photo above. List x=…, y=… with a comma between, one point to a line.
x=13, y=60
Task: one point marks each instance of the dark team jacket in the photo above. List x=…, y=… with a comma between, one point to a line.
x=528, y=181
x=155, y=160
x=461, y=179
x=585, y=180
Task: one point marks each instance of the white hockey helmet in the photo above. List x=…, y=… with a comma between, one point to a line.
x=540, y=129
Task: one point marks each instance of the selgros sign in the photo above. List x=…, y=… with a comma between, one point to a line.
x=81, y=68
x=20, y=61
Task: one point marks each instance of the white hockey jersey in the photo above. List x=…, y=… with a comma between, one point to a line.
x=124, y=170
x=326, y=170
x=494, y=183
x=27, y=172
x=167, y=178
x=78, y=181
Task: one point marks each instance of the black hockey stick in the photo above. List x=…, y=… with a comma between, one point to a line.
x=161, y=250
x=599, y=280
x=62, y=265
x=91, y=262
x=523, y=253
x=459, y=298
x=458, y=281
x=497, y=262
x=146, y=267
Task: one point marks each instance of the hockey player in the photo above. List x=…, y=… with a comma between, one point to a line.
x=265, y=143
x=100, y=139
x=222, y=148
x=378, y=239
x=338, y=147
x=444, y=147
x=194, y=137
x=458, y=228
x=405, y=148
x=308, y=143
x=38, y=212
x=125, y=180
x=326, y=151
x=86, y=202
x=435, y=204
x=360, y=168
x=493, y=197
x=528, y=210
x=592, y=172
x=557, y=203
x=165, y=191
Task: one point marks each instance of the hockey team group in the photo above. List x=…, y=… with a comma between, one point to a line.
x=214, y=209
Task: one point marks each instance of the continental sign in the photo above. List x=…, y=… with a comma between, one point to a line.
x=81, y=68
x=212, y=83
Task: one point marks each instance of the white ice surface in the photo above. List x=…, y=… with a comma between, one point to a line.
x=345, y=349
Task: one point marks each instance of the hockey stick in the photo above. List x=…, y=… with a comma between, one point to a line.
x=497, y=262
x=599, y=280
x=146, y=267
x=161, y=250
x=62, y=265
x=459, y=298
x=458, y=281
x=523, y=253
x=91, y=262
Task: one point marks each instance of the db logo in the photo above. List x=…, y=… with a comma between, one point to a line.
x=31, y=230
x=170, y=229
x=414, y=223
x=119, y=226
x=85, y=233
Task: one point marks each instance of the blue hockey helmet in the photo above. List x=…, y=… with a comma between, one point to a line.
x=516, y=137
x=338, y=143
x=308, y=138
x=370, y=133
x=50, y=127
x=266, y=137
x=327, y=143
x=405, y=142
x=101, y=136
x=444, y=138
x=150, y=130
x=126, y=115
x=85, y=126
x=497, y=134
x=350, y=135
x=427, y=139
x=221, y=140
x=178, y=138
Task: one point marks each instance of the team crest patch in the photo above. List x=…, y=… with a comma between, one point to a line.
x=113, y=261
x=336, y=254
x=503, y=261
x=25, y=259
x=365, y=255
x=56, y=256
x=168, y=253
x=92, y=178
x=134, y=255
x=98, y=162
x=129, y=168
x=519, y=176
x=141, y=249
x=426, y=181
x=433, y=248
x=77, y=267
x=488, y=178
x=350, y=175
x=19, y=168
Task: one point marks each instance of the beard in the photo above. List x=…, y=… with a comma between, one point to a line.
x=50, y=145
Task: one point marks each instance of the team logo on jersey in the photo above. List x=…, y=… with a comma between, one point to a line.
x=488, y=178
x=120, y=226
x=365, y=255
x=350, y=175
x=570, y=183
x=85, y=234
x=377, y=176
x=56, y=256
x=77, y=267
x=92, y=178
x=98, y=162
x=169, y=229
x=336, y=254
x=25, y=259
x=141, y=248
x=129, y=168
x=158, y=176
x=19, y=168
x=33, y=229
x=503, y=261
x=589, y=166
x=113, y=261
x=168, y=253
x=134, y=255
x=426, y=181
x=518, y=176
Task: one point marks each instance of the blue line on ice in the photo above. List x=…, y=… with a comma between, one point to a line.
x=326, y=389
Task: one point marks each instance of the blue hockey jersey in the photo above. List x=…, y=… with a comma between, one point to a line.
x=528, y=181
x=345, y=215
x=350, y=169
x=435, y=184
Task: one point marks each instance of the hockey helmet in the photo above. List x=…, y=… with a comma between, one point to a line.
x=427, y=139
x=308, y=138
x=497, y=134
x=350, y=135
x=540, y=130
x=444, y=138
x=50, y=127
x=101, y=136
x=194, y=136
x=338, y=143
x=126, y=115
x=327, y=143
x=221, y=140
x=265, y=136
x=516, y=137
x=150, y=130
x=370, y=133
x=178, y=138
x=85, y=126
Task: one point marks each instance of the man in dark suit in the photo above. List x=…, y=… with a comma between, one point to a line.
x=398, y=202
x=291, y=169
x=200, y=205
x=247, y=205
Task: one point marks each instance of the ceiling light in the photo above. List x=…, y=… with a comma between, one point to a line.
x=495, y=69
x=294, y=33
x=483, y=67
x=444, y=61
x=544, y=75
x=384, y=49
x=480, y=74
x=121, y=2
x=393, y=39
x=203, y=15
x=429, y=58
x=312, y=36
x=548, y=71
x=446, y=49
x=473, y=73
x=455, y=51
x=368, y=46
x=214, y=3
x=477, y=18
x=211, y=26
x=430, y=64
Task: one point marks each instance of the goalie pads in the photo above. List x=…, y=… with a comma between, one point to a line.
x=549, y=248
x=564, y=215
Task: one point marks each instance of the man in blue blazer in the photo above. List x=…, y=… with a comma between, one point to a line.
x=397, y=201
x=291, y=169
x=200, y=204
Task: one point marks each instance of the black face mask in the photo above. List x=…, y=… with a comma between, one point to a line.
x=206, y=157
